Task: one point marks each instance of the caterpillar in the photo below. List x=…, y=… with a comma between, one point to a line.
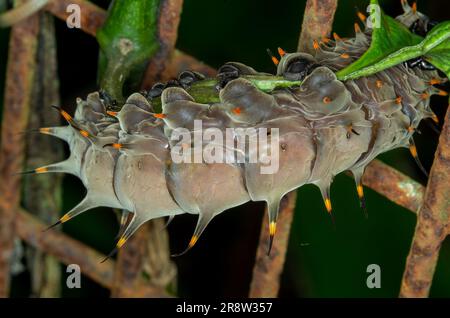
x=320, y=128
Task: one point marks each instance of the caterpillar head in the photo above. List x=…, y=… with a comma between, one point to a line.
x=296, y=66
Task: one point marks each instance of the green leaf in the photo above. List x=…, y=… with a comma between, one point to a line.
x=391, y=36
x=436, y=47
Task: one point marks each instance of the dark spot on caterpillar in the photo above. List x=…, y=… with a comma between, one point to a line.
x=420, y=63
x=298, y=66
x=422, y=26
x=156, y=90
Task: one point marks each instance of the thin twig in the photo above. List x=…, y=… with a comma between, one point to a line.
x=432, y=223
x=268, y=269
x=19, y=84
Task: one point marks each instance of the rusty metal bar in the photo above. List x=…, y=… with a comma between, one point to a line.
x=317, y=23
x=394, y=185
x=66, y=249
x=168, y=21
x=318, y=19
x=92, y=17
x=70, y=251
x=43, y=195
x=432, y=223
x=18, y=90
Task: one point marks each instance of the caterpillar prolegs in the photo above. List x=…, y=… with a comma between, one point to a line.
x=322, y=126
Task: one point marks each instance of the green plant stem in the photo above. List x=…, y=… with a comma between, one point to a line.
x=127, y=40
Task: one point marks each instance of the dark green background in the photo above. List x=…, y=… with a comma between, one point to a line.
x=322, y=261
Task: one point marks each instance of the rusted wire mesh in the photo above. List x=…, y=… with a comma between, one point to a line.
x=431, y=204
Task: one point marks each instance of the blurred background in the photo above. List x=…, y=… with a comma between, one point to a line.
x=322, y=260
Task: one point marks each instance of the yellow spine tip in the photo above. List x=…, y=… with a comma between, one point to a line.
x=336, y=37
x=275, y=60
x=41, y=170
x=435, y=81
x=361, y=16
x=424, y=96
x=328, y=205
x=272, y=228
x=84, y=133
x=193, y=240
x=413, y=150
x=435, y=118
x=44, y=130
x=360, y=191
x=66, y=115
x=65, y=218
x=121, y=242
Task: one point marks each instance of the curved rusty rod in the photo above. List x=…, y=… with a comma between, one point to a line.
x=432, y=223
x=70, y=251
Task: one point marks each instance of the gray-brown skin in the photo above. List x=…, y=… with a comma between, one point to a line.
x=325, y=127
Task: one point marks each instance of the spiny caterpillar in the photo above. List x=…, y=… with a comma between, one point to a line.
x=325, y=126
